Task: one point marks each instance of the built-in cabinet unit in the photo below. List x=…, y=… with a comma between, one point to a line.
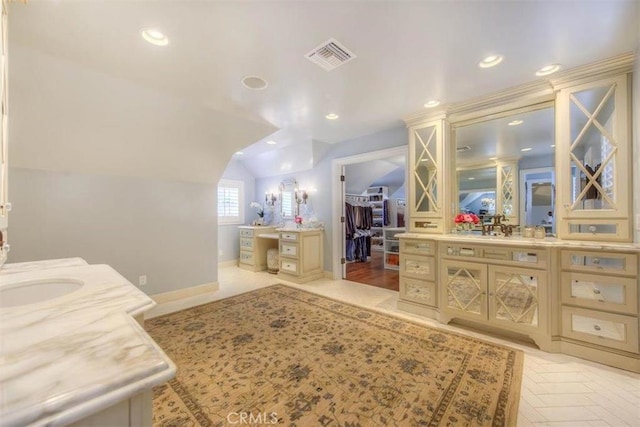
x=301, y=255
x=428, y=154
x=593, y=160
x=599, y=300
x=392, y=247
x=575, y=293
x=500, y=286
x=377, y=196
x=253, y=247
x=418, y=288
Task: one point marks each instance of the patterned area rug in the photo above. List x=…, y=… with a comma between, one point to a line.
x=279, y=355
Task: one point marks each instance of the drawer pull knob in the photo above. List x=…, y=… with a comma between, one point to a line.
x=596, y=261
x=593, y=229
x=596, y=291
x=596, y=327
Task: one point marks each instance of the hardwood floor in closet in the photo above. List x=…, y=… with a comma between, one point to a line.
x=373, y=273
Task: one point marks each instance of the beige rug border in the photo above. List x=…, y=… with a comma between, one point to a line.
x=513, y=400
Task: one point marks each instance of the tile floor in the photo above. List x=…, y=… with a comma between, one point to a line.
x=557, y=390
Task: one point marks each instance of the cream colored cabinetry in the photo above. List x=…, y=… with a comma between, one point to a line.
x=134, y=412
x=427, y=181
x=418, y=290
x=301, y=255
x=253, y=248
x=593, y=160
x=502, y=287
x=599, y=308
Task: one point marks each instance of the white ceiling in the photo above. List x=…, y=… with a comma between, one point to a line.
x=407, y=52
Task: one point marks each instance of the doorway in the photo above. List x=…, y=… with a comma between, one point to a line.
x=373, y=182
x=538, y=188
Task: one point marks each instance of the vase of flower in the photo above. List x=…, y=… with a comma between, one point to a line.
x=259, y=211
x=466, y=222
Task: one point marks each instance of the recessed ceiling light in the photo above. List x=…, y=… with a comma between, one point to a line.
x=548, y=69
x=490, y=61
x=254, y=82
x=271, y=142
x=332, y=116
x=239, y=153
x=515, y=122
x=431, y=103
x=154, y=37
x=471, y=178
x=526, y=149
x=493, y=158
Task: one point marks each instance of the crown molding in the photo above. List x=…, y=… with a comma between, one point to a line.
x=528, y=94
x=596, y=70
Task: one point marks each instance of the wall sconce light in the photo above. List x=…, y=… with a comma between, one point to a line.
x=301, y=196
x=270, y=199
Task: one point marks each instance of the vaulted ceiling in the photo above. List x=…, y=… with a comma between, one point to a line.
x=406, y=53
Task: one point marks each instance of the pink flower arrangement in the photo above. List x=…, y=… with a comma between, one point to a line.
x=469, y=218
x=298, y=220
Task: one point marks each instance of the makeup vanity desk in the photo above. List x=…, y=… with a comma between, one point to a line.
x=300, y=251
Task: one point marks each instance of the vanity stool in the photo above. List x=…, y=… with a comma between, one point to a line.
x=273, y=260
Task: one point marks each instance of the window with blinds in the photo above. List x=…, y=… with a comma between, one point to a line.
x=230, y=201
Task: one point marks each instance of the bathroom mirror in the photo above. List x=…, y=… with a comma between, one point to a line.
x=287, y=198
x=507, y=161
x=477, y=192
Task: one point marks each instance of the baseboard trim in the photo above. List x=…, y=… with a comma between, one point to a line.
x=179, y=294
x=231, y=263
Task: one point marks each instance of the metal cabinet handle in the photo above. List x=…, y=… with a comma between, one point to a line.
x=597, y=327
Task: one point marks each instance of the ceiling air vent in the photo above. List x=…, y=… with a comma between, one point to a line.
x=463, y=149
x=330, y=55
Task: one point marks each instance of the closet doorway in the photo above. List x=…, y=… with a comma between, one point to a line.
x=373, y=205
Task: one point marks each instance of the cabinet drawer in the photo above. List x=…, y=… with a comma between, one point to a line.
x=289, y=249
x=460, y=250
x=246, y=233
x=600, y=292
x=246, y=257
x=597, y=327
x=292, y=237
x=625, y=264
x=417, y=267
x=246, y=244
x=417, y=246
x=419, y=291
x=289, y=266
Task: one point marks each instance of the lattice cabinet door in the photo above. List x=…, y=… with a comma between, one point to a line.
x=593, y=160
x=427, y=158
x=465, y=288
x=517, y=297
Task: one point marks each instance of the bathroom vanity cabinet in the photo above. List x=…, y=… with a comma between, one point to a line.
x=574, y=291
x=301, y=254
x=254, y=243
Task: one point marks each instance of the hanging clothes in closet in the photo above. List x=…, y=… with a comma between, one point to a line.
x=358, y=221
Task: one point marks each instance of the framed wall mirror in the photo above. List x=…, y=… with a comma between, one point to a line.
x=491, y=153
x=287, y=198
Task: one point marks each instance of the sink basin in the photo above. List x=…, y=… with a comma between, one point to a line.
x=35, y=291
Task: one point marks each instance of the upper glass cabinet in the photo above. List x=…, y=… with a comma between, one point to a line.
x=426, y=183
x=593, y=159
x=425, y=173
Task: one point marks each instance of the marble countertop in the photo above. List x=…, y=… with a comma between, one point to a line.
x=525, y=241
x=69, y=357
x=19, y=267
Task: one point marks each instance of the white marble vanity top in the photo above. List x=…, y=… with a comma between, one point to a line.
x=19, y=267
x=301, y=229
x=526, y=241
x=74, y=355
